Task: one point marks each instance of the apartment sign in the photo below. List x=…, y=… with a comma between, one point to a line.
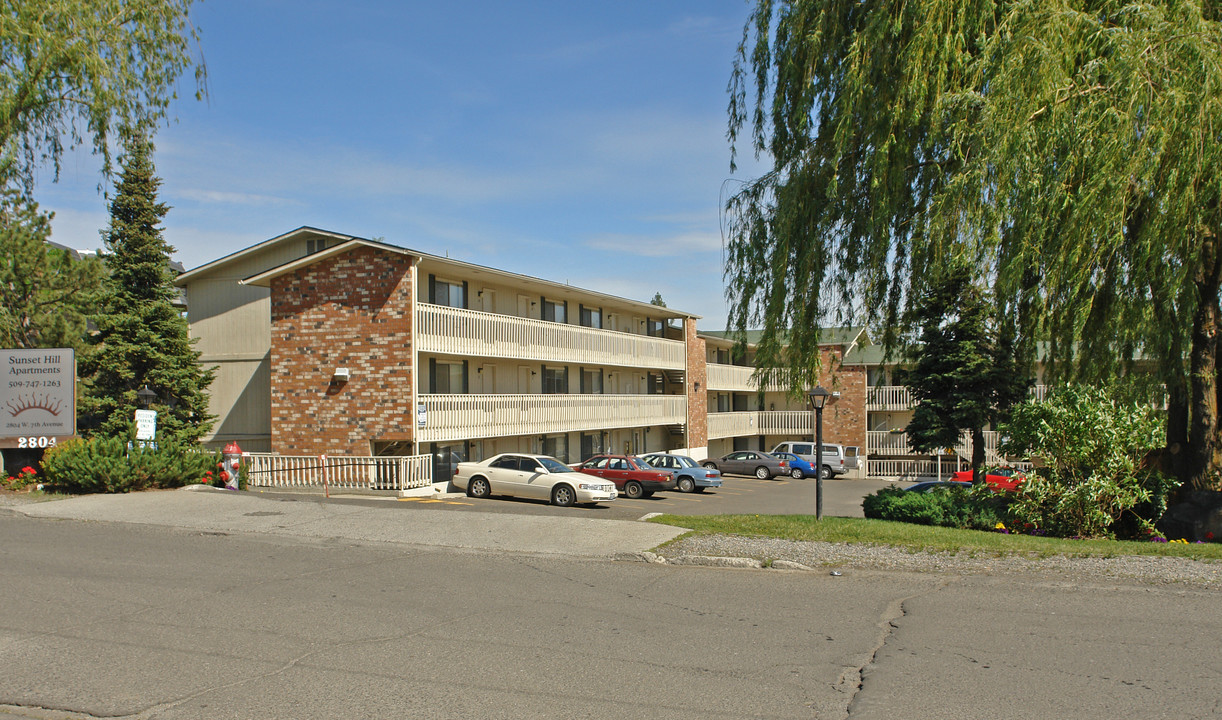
x=37, y=397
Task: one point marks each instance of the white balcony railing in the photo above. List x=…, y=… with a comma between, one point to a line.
x=885, y=442
x=736, y=378
x=461, y=417
x=454, y=331
x=767, y=422
x=897, y=397
x=888, y=397
x=730, y=377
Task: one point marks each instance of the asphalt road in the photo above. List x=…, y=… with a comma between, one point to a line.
x=321, y=610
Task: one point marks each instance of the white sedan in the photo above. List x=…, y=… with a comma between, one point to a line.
x=531, y=476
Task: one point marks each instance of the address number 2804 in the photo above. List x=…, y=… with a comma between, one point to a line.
x=36, y=442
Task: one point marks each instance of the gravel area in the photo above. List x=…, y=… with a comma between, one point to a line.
x=833, y=556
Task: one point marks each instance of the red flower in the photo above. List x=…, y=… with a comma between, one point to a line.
x=27, y=470
x=1209, y=536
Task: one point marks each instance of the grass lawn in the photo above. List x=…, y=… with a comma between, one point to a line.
x=925, y=537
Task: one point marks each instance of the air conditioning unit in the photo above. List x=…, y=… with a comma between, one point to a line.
x=341, y=375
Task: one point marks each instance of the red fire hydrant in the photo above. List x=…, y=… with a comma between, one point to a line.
x=231, y=463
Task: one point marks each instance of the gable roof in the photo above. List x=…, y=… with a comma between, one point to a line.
x=264, y=279
x=851, y=335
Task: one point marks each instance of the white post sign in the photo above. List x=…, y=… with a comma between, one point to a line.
x=146, y=424
x=37, y=397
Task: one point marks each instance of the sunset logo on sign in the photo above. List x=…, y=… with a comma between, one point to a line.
x=22, y=403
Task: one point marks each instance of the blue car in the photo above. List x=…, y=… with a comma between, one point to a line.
x=798, y=468
x=689, y=476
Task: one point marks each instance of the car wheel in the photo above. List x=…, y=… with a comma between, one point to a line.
x=633, y=490
x=564, y=496
x=710, y=466
x=796, y=474
x=686, y=484
x=826, y=472
x=762, y=473
x=479, y=488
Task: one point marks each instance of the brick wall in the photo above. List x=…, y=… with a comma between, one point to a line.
x=844, y=421
x=697, y=388
x=352, y=310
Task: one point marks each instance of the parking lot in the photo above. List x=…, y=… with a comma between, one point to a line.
x=739, y=495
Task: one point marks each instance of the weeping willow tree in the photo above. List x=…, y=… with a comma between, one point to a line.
x=1067, y=149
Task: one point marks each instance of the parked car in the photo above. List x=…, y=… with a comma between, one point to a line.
x=634, y=477
x=798, y=468
x=934, y=485
x=998, y=478
x=531, y=476
x=689, y=475
x=833, y=456
x=749, y=462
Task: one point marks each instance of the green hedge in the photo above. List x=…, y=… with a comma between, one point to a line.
x=964, y=508
x=108, y=465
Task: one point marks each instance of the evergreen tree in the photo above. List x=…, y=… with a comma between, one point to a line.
x=142, y=339
x=45, y=293
x=965, y=376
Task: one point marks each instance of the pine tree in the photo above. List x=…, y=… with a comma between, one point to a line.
x=45, y=293
x=965, y=376
x=142, y=339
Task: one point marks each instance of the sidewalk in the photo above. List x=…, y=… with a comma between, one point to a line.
x=213, y=510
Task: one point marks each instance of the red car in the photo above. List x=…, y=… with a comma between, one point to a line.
x=996, y=478
x=632, y=476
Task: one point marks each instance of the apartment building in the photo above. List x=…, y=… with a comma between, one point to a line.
x=326, y=343
x=330, y=343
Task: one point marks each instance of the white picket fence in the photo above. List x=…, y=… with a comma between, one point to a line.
x=339, y=472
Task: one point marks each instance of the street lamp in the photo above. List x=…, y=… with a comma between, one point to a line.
x=146, y=396
x=818, y=398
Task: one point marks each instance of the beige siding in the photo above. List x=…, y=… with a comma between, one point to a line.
x=232, y=325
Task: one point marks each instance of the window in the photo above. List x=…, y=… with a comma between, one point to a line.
x=557, y=446
x=591, y=382
x=313, y=246
x=555, y=380
x=554, y=311
x=592, y=444
x=591, y=317
x=447, y=378
x=445, y=292
x=655, y=328
x=723, y=402
x=653, y=384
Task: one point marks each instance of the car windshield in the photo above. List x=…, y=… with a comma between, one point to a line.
x=552, y=465
x=639, y=464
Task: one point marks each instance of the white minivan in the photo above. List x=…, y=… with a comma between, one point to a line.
x=833, y=456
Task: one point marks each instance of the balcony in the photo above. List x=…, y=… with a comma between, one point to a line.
x=894, y=398
x=739, y=424
x=464, y=417
x=885, y=442
x=454, y=331
x=733, y=378
x=888, y=398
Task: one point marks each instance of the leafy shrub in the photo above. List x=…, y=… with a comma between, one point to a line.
x=1093, y=483
x=108, y=465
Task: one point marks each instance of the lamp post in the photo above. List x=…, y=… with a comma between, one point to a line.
x=818, y=398
x=145, y=396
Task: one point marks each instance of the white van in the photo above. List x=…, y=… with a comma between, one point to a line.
x=833, y=456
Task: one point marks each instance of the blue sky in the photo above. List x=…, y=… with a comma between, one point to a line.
x=573, y=141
